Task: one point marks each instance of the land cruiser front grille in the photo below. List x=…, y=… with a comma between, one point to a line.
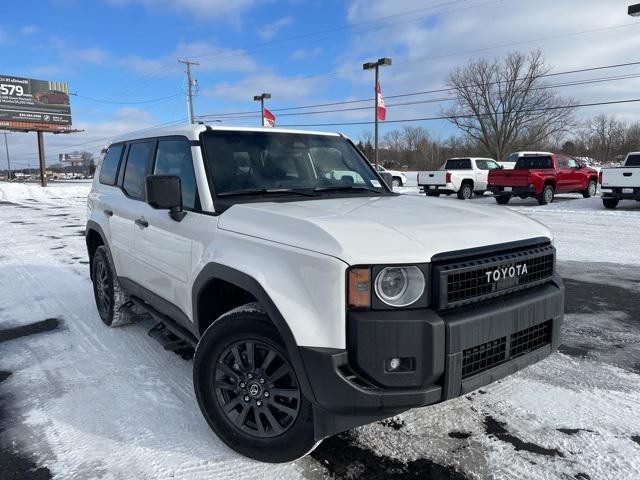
x=491, y=354
x=529, y=339
x=482, y=357
x=460, y=282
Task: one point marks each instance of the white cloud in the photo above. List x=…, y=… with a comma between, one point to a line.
x=426, y=50
x=306, y=54
x=28, y=30
x=93, y=56
x=196, y=8
x=212, y=58
x=267, y=32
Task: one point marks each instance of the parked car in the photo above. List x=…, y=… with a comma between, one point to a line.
x=316, y=301
x=399, y=178
x=541, y=175
x=51, y=96
x=463, y=176
x=622, y=183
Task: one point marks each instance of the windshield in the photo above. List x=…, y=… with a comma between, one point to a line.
x=633, y=161
x=278, y=163
x=533, y=161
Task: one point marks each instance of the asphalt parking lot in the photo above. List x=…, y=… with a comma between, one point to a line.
x=78, y=400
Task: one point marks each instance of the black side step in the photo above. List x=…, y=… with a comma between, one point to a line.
x=170, y=324
x=171, y=341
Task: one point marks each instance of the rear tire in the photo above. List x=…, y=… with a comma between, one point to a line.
x=610, y=202
x=108, y=292
x=237, y=374
x=503, y=200
x=465, y=192
x=397, y=182
x=592, y=187
x=547, y=195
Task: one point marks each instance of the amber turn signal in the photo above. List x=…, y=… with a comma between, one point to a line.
x=359, y=288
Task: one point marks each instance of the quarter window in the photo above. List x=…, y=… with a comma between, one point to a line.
x=109, y=167
x=137, y=169
x=174, y=158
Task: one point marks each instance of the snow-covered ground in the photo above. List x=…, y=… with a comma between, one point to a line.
x=81, y=401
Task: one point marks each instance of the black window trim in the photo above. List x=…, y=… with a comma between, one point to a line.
x=190, y=143
x=115, y=180
x=152, y=155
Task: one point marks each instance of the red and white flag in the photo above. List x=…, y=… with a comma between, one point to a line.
x=382, y=110
x=268, y=119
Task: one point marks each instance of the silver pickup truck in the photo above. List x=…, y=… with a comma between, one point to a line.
x=622, y=183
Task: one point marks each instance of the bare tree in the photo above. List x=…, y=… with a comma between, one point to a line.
x=505, y=105
x=607, y=136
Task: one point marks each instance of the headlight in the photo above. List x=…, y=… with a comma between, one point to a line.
x=399, y=286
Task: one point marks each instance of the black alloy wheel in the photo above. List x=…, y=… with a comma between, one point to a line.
x=256, y=388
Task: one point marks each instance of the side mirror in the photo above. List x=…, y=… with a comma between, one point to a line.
x=164, y=192
x=388, y=179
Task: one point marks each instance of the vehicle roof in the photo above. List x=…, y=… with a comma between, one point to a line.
x=633, y=153
x=522, y=154
x=470, y=158
x=193, y=131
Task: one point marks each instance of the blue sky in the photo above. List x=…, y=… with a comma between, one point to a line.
x=302, y=51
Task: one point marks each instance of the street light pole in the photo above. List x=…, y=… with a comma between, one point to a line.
x=190, y=81
x=6, y=147
x=261, y=98
x=376, y=66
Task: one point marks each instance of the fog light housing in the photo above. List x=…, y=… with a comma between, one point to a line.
x=399, y=364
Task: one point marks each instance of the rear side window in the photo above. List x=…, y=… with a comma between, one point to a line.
x=487, y=165
x=458, y=164
x=109, y=168
x=534, y=161
x=174, y=158
x=633, y=161
x=137, y=168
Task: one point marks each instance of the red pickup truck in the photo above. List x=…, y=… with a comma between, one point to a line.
x=541, y=175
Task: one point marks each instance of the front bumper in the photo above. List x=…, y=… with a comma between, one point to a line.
x=351, y=387
x=524, y=192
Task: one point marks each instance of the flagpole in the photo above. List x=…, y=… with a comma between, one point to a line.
x=261, y=98
x=375, y=66
x=375, y=112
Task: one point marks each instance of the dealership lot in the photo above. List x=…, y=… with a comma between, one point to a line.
x=78, y=400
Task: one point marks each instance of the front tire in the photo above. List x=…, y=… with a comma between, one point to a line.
x=108, y=292
x=465, y=192
x=610, y=202
x=248, y=391
x=592, y=187
x=396, y=182
x=546, y=197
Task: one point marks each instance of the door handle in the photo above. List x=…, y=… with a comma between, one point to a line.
x=141, y=222
x=108, y=213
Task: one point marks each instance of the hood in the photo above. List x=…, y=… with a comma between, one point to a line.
x=374, y=230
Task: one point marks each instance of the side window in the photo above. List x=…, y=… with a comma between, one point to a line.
x=137, y=168
x=109, y=167
x=572, y=163
x=562, y=161
x=174, y=158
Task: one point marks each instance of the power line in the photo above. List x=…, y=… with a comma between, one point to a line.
x=248, y=114
x=451, y=117
x=422, y=59
x=155, y=100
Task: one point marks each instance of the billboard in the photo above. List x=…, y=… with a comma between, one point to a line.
x=70, y=157
x=26, y=101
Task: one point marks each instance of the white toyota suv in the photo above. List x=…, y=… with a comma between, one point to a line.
x=316, y=299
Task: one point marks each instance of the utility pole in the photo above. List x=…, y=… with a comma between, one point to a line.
x=191, y=83
x=6, y=147
x=261, y=98
x=376, y=66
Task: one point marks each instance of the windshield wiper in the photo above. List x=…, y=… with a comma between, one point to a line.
x=339, y=188
x=266, y=191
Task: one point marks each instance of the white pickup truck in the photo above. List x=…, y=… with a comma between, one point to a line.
x=622, y=183
x=463, y=176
